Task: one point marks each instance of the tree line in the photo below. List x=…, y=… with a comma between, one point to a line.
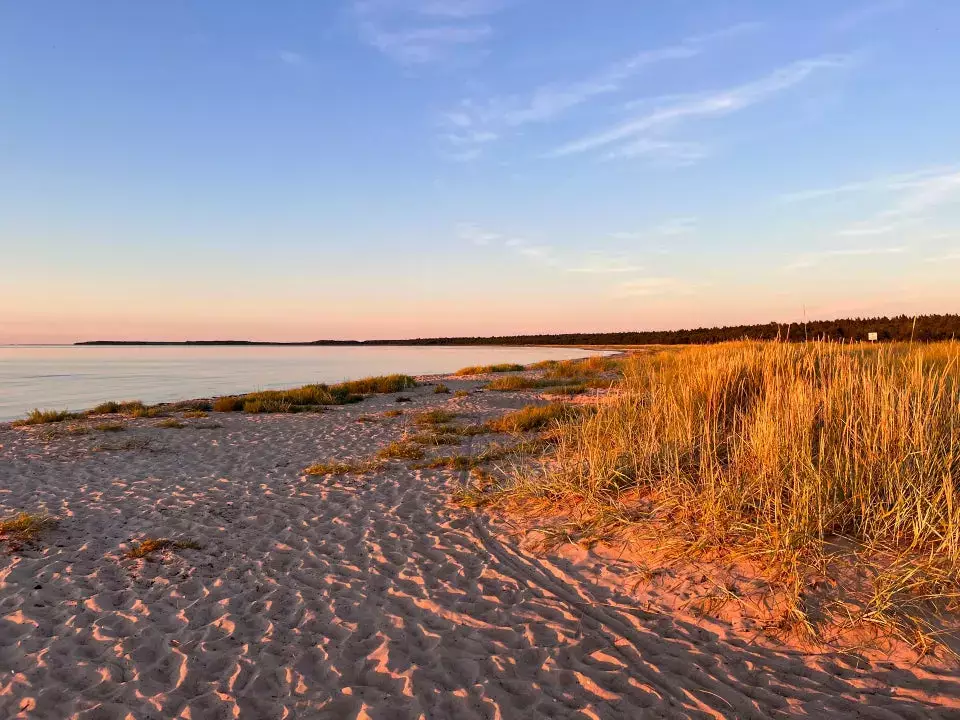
x=920, y=328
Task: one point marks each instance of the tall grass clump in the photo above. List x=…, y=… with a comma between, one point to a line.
x=311, y=397
x=780, y=453
x=43, y=417
x=483, y=369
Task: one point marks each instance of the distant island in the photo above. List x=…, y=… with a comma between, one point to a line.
x=922, y=328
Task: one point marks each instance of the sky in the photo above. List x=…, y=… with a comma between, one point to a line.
x=305, y=169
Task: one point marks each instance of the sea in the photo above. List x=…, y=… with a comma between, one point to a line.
x=77, y=377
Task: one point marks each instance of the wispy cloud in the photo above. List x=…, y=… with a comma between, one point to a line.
x=498, y=115
x=419, y=32
x=814, y=259
x=663, y=152
x=707, y=105
x=655, y=237
x=476, y=235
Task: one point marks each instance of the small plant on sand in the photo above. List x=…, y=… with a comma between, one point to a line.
x=434, y=417
x=358, y=467
x=134, y=408
x=24, y=528
x=134, y=443
x=440, y=389
x=450, y=462
x=393, y=413
x=171, y=424
x=484, y=369
x=145, y=548
x=42, y=417
x=195, y=414
x=403, y=399
x=401, y=450
x=535, y=417
x=111, y=427
x=367, y=418
x=462, y=394
x=230, y=403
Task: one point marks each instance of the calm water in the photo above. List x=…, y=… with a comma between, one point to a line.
x=76, y=378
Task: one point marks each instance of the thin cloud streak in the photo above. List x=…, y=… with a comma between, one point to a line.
x=554, y=99
x=420, y=32
x=714, y=104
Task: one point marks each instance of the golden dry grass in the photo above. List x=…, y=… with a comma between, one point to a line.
x=147, y=547
x=24, y=528
x=484, y=369
x=358, y=467
x=534, y=417
x=779, y=454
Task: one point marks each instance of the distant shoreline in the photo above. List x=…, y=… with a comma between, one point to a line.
x=920, y=328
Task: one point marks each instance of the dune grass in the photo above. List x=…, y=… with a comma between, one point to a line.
x=43, y=417
x=535, y=417
x=24, y=528
x=111, y=427
x=358, y=467
x=780, y=454
x=484, y=369
x=171, y=424
x=401, y=450
x=462, y=394
x=440, y=389
x=311, y=398
x=147, y=547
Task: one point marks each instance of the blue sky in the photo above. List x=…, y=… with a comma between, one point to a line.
x=392, y=168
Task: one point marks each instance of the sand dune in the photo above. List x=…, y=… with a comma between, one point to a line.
x=354, y=597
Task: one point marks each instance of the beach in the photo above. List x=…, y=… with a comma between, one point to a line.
x=363, y=595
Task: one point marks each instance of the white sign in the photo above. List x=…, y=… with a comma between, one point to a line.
x=872, y=337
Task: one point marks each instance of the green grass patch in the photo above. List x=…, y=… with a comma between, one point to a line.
x=440, y=389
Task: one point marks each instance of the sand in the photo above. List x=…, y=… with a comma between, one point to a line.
x=356, y=596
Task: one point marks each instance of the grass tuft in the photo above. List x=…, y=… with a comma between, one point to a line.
x=171, y=424
x=440, y=389
x=146, y=548
x=344, y=468
x=535, y=417
x=24, y=528
x=484, y=369
x=43, y=417
x=111, y=427
x=401, y=450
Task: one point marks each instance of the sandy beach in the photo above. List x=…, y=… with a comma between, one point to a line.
x=358, y=596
